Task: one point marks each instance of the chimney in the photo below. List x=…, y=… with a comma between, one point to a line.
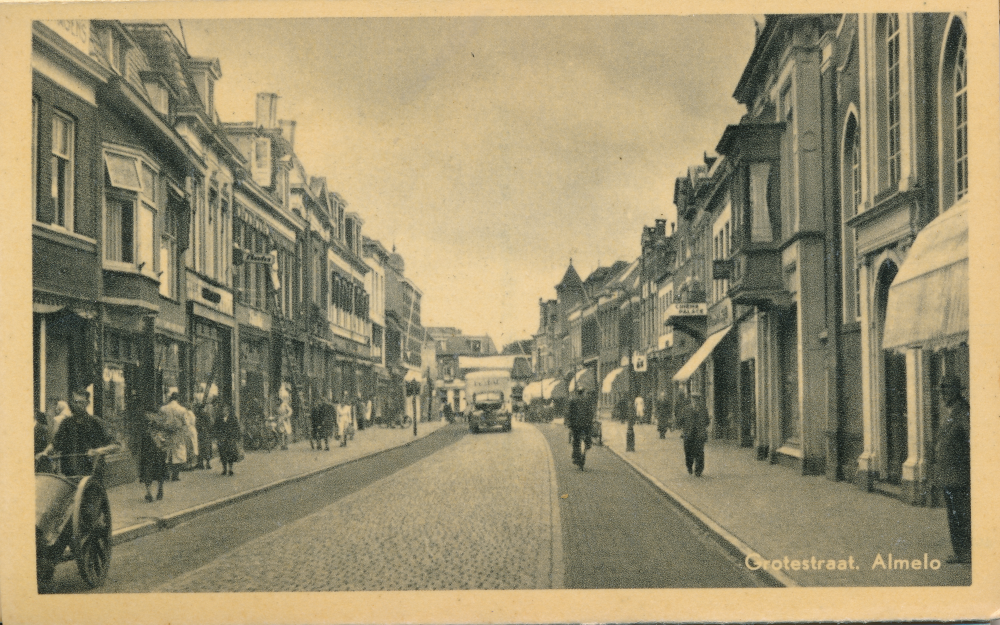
x=661, y=227
x=267, y=110
x=288, y=131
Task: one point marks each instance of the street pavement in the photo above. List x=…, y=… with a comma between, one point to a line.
x=132, y=515
x=779, y=513
x=475, y=515
x=621, y=532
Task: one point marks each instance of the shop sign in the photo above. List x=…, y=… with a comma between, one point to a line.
x=666, y=339
x=75, y=32
x=639, y=361
x=208, y=295
x=720, y=316
x=680, y=309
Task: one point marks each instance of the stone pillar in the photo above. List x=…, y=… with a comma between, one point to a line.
x=915, y=470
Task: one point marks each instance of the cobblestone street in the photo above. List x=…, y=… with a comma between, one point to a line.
x=474, y=515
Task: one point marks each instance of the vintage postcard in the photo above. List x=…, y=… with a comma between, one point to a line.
x=510, y=312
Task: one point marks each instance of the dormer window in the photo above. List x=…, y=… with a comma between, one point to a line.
x=159, y=93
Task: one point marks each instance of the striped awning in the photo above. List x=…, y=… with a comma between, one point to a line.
x=929, y=298
x=584, y=379
x=532, y=391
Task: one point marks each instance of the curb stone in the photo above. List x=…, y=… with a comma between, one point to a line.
x=727, y=540
x=174, y=519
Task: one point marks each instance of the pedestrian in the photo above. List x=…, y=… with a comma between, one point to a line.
x=694, y=424
x=368, y=413
x=322, y=418
x=174, y=423
x=191, y=444
x=204, y=413
x=359, y=411
x=62, y=411
x=344, y=418
x=664, y=415
x=80, y=438
x=227, y=435
x=41, y=432
x=580, y=425
x=284, y=416
x=153, y=454
x=640, y=409
x=953, y=469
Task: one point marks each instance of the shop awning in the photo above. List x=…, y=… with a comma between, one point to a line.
x=929, y=298
x=584, y=379
x=532, y=391
x=699, y=356
x=609, y=379
x=413, y=374
x=555, y=388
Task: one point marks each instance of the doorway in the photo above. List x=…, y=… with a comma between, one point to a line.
x=894, y=426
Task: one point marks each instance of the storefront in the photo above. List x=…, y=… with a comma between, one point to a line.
x=927, y=325
x=65, y=341
x=211, y=330
x=255, y=379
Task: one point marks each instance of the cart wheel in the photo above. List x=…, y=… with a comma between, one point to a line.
x=92, y=534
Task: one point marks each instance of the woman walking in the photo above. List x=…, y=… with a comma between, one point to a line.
x=153, y=455
x=227, y=436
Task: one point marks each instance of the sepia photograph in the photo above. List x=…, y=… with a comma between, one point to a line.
x=348, y=313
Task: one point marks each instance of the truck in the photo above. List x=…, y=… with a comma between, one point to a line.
x=489, y=397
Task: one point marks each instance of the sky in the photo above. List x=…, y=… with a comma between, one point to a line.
x=491, y=151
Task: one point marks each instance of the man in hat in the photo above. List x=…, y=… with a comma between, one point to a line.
x=952, y=471
x=694, y=422
x=80, y=438
x=580, y=426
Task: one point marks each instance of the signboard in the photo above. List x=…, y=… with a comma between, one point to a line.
x=666, y=339
x=75, y=32
x=685, y=310
x=263, y=259
x=720, y=316
x=639, y=361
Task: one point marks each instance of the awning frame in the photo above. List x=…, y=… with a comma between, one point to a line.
x=700, y=355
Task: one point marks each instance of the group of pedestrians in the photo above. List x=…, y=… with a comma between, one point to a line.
x=177, y=437
x=339, y=420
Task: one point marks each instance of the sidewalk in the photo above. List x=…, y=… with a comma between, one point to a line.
x=203, y=490
x=776, y=512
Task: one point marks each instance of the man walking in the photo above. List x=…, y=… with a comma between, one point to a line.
x=323, y=415
x=953, y=472
x=580, y=425
x=694, y=423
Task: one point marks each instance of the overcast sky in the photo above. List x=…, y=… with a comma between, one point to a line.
x=490, y=151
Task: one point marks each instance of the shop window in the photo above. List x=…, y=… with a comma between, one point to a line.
x=954, y=117
x=63, y=166
x=892, y=97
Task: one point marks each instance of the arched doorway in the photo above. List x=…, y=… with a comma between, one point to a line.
x=893, y=426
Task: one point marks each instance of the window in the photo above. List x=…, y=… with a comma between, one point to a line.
x=961, y=121
x=893, y=153
x=34, y=157
x=851, y=194
x=131, y=201
x=168, y=249
x=789, y=164
x=63, y=147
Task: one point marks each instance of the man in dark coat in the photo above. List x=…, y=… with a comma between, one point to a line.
x=204, y=414
x=322, y=418
x=694, y=422
x=80, y=438
x=952, y=471
x=580, y=425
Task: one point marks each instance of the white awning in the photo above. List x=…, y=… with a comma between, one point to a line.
x=699, y=356
x=532, y=391
x=553, y=388
x=929, y=298
x=413, y=374
x=584, y=378
x=609, y=379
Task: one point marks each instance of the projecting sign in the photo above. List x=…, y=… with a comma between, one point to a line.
x=685, y=310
